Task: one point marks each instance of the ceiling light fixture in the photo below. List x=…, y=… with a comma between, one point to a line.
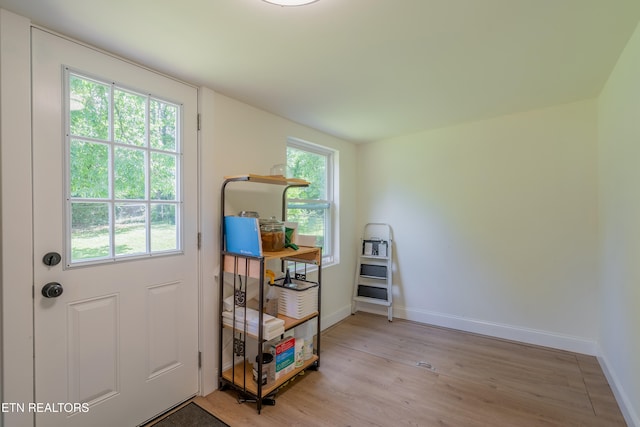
x=290, y=2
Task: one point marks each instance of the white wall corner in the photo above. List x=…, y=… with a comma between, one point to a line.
x=630, y=413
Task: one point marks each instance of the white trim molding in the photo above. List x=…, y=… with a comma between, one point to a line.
x=490, y=329
x=17, y=374
x=626, y=407
x=498, y=330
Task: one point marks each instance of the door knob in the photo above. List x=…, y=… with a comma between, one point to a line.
x=52, y=290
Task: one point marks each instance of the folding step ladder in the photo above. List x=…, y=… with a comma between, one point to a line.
x=374, y=271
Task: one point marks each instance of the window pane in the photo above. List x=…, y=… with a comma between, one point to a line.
x=89, y=108
x=311, y=167
x=89, y=174
x=310, y=222
x=311, y=206
x=129, y=111
x=164, y=233
x=89, y=231
x=130, y=229
x=129, y=173
x=163, y=176
x=163, y=125
x=123, y=149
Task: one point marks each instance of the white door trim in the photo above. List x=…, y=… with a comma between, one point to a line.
x=16, y=217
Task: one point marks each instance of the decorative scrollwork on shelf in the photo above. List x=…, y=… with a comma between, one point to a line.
x=241, y=298
x=238, y=346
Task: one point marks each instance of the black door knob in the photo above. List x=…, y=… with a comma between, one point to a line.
x=52, y=290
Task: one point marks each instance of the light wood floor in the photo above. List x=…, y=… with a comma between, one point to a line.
x=379, y=373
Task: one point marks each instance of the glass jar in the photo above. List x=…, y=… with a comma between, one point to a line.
x=272, y=234
x=278, y=170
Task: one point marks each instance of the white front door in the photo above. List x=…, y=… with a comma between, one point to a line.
x=115, y=195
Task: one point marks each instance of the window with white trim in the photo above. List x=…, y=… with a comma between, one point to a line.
x=312, y=207
x=123, y=172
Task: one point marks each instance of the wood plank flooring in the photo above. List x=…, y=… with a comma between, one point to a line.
x=379, y=373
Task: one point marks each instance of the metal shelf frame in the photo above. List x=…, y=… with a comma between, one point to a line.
x=243, y=268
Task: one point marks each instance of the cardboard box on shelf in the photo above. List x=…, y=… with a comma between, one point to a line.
x=284, y=354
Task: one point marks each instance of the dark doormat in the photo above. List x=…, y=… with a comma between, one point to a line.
x=191, y=415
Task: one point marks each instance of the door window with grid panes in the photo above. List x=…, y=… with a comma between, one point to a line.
x=123, y=164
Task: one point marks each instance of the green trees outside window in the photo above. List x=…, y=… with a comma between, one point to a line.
x=311, y=207
x=122, y=164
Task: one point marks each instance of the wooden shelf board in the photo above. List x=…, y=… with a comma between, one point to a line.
x=289, y=323
x=244, y=377
x=268, y=179
x=308, y=254
x=304, y=253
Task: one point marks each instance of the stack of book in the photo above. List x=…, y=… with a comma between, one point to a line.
x=272, y=326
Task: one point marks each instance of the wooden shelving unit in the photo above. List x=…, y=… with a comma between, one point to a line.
x=240, y=375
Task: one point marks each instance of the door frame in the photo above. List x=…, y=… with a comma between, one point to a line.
x=17, y=374
x=17, y=240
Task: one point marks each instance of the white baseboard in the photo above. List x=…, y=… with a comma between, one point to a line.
x=630, y=413
x=333, y=318
x=496, y=330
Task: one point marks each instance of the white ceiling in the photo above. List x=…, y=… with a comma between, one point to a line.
x=364, y=70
